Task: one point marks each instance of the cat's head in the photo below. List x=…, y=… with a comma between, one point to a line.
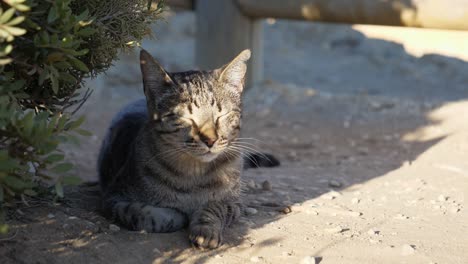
x=196, y=112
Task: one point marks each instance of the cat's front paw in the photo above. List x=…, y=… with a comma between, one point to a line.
x=205, y=236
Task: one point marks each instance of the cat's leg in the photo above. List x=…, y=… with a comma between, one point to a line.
x=138, y=216
x=207, y=224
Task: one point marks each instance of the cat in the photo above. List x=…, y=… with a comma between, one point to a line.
x=173, y=159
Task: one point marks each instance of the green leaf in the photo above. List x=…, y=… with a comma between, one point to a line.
x=53, y=15
x=30, y=192
x=14, y=182
x=5, y=61
x=83, y=132
x=86, y=32
x=59, y=189
x=62, y=65
x=54, y=158
x=44, y=75
x=55, y=84
x=71, y=180
x=66, y=77
x=17, y=85
x=8, y=165
x=83, y=15
x=62, y=167
x=5, y=50
x=16, y=21
x=28, y=123
x=15, y=31
x=77, y=64
x=61, y=123
x=7, y=15
x=3, y=228
x=74, y=124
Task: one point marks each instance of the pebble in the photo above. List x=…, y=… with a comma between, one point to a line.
x=250, y=211
x=114, y=228
x=50, y=216
x=266, y=186
x=336, y=230
x=407, y=250
x=309, y=260
x=334, y=183
x=251, y=184
x=286, y=210
x=311, y=212
x=331, y=195
x=373, y=232
x=401, y=217
x=255, y=259
x=442, y=198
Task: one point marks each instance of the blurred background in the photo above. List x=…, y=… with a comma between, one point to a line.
x=368, y=121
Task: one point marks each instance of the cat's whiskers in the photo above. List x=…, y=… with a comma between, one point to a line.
x=252, y=147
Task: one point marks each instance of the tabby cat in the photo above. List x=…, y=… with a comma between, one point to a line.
x=174, y=159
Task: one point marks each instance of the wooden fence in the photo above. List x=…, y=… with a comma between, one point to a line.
x=225, y=27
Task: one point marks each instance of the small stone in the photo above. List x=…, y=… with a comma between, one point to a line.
x=72, y=217
x=255, y=259
x=286, y=210
x=50, y=216
x=336, y=230
x=311, y=212
x=114, y=228
x=401, y=217
x=363, y=151
x=250, y=211
x=373, y=232
x=355, y=201
x=251, y=184
x=354, y=214
x=334, y=184
x=266, y=186
x=331, y=195
x=442, y=198
x=407, y=250
x=309, y=260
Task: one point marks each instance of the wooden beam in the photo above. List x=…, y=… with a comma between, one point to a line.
x=223, y=31
x=441, y=14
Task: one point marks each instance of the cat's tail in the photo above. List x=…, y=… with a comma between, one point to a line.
x=258, y=159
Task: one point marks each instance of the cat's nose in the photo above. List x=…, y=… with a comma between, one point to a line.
x=209, y=141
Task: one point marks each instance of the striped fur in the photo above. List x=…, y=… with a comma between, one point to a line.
x=173, y=159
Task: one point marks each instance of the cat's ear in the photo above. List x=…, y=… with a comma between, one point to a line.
x=155, y=78
x=233, y=74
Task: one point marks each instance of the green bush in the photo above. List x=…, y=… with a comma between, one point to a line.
x=47, y=49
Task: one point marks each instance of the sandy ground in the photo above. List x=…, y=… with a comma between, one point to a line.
x=371, y=133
